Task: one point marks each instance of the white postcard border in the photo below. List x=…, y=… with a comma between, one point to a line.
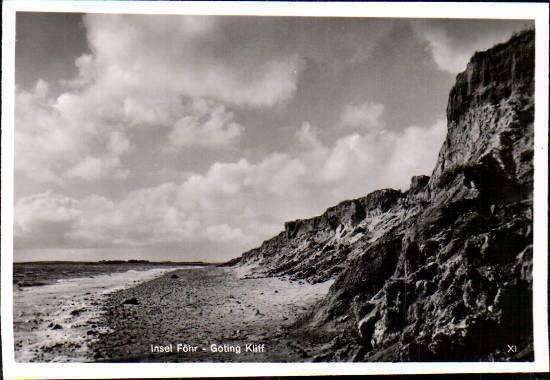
x=536, y=11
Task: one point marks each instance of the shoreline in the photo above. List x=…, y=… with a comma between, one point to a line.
x=207, y=315
x=57, y=321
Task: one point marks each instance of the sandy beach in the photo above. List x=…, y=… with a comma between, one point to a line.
x=207, y=314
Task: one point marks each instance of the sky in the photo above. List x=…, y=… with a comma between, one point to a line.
x=197, y=137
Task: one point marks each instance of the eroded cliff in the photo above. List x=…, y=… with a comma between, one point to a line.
x=441, y=271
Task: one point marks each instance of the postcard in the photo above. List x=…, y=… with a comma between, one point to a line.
x=254, y=188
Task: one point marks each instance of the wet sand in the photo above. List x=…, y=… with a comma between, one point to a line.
x=201, y=307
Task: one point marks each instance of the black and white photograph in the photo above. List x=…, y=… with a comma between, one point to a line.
x=243, y=188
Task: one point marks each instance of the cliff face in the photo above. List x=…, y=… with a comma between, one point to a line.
x=317, y=249
x=443, y=270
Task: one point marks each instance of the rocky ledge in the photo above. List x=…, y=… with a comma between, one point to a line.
x=442, y=271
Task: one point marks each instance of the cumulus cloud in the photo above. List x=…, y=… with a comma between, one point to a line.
x=308, y=135
x=379, y=159
x=41, y=136
x=224, y=233
x=142, y=74
x=180, y=55
x=415, y=151
x=55, y=141
x=47, y=206
x=239, y=203
x=205, y=125
x=45, y=219
x=362, y=115
x=95, y=168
